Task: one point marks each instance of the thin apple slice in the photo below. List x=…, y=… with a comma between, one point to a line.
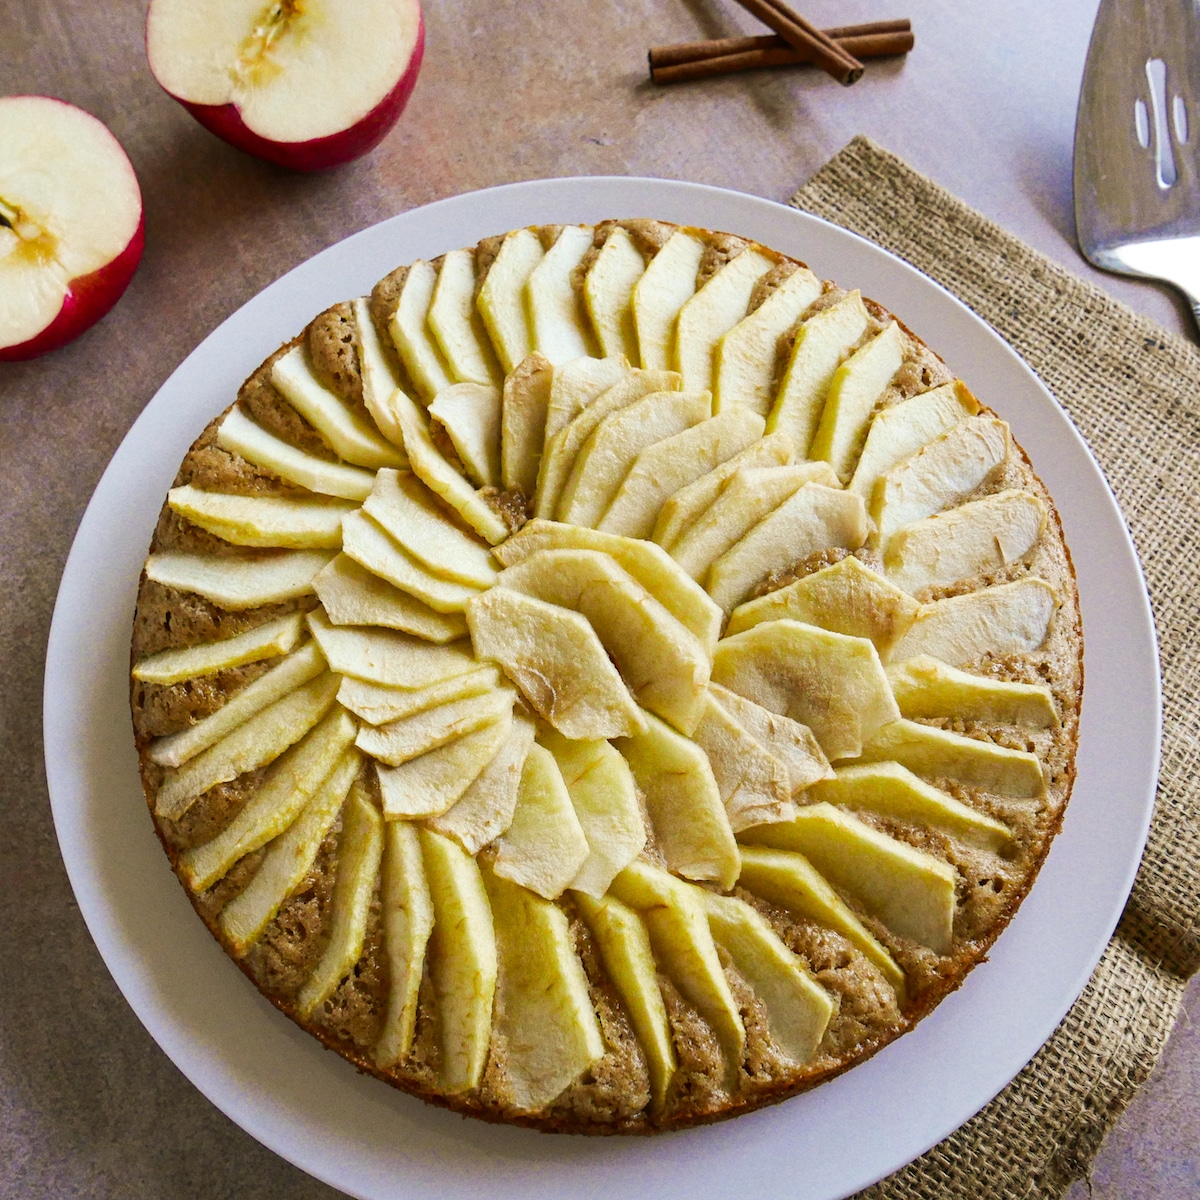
x=387, y=657
x=666, y=285
x=274, y=521
x=902, y=429
x=941, y=474
x=604, y=797
x=798, y=1008
x=291, y=782
x=366, y=542
x=410, y=513
x=1012, y=618
x=890, y=790
x=620, y=934
x=683, y=946
x=938, y=753
x=352, y=595
x=908, y=890
x=662, y=663
x=608, y=292
x=378, y=704
x=790, y=742
x=418, y=351
x=853, y=394
x=240, y=435
x=360, y=851
x=926, y=687
x=239, y=583
x=350, y=436
x=470, y=413
x=846, y=597
x=608, y=454
x=816, y=518
x=439, y=476
x=830, y=682
x=712, y=312
x=293, y=671
x=749, y=495
x=261, y=740
x=557, y=316
x=410, y=736
x=288, y=859
x=650, y=565
x=563, y=448
x=976, y=538
x=268, y=640
x=462, y=960
x=554, y=656
x=501, y=299
x=379, y=378
x=485, y=810
x=682, y=510
x=544, y=846
x=457, y=325
x=575, y=385
x=524, y=405
x=427, y=786
x=684, y=803
x=406, y=912
x=545, y=1015
x=822, y=342
x=663, y=468
x=745, y=357
x=792, y=882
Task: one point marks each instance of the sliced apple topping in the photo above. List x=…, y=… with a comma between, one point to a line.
x=524, y=405
x=554, y=656
x=470, y=413
x=268, y=640
x=378, y=704
x=410, y=736
x=556, y=311
x=240, y=435
x=379, y=379
x=745, y=358
x=684, y=803
x=545, y=1018
x=352, y=595
x=387, y=657
x=501, y=299
x=576, y=385
x=821, y=343
x=239, y=583
x=830, y=682
x=406, y=912
x=608, y=292
x=890, y=790
x=846, y=597
x=668, y=282
x=462, y=960
x=1012, y=618
x=457, y=325
x=908, y=890
x=351, y=437
x=925, y=687
x=263, y=520
x=418, y=351
x=544, y=846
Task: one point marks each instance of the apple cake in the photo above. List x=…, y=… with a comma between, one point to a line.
x=607, y=679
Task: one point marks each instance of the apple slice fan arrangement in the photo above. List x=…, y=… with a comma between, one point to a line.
x=607, y=679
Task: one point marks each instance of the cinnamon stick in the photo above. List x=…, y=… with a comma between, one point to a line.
x=801, y=35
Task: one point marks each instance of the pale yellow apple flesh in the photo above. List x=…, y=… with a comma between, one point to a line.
x=239, y=583
x=274, y=521
x=457, y=325
x=471, y=415
x=577, y=384
x=386, y=656
x=410, y=335
x=926, y=687
x=377, y=704
x=379, y=378
x=410, y=736
x=524, y=405
x=268, y=640
x=501, y=299
x=557, y=316
x=665, y=286
x=608, y=293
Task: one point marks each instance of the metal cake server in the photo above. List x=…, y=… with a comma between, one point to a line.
x=1137, y=174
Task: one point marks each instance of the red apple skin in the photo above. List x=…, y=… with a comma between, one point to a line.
x=225, y=120
x=87, y=300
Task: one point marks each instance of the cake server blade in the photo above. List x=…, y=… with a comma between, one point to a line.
x=1137, y=184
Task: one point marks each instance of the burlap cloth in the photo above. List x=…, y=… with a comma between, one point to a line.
x=1133, y=389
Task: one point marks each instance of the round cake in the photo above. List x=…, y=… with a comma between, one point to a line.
x=608, y=679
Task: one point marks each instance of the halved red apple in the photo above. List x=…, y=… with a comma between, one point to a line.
x=305, y=84
x=71, y=228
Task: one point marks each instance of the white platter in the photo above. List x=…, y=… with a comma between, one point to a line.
x=355, y=1133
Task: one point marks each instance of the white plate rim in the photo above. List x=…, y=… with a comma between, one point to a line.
x=347, y=1130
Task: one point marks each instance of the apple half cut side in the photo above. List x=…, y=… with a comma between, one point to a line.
x=71, y=226
x=304, y=84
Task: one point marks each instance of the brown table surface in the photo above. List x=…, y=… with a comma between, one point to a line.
x=89, y=1106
